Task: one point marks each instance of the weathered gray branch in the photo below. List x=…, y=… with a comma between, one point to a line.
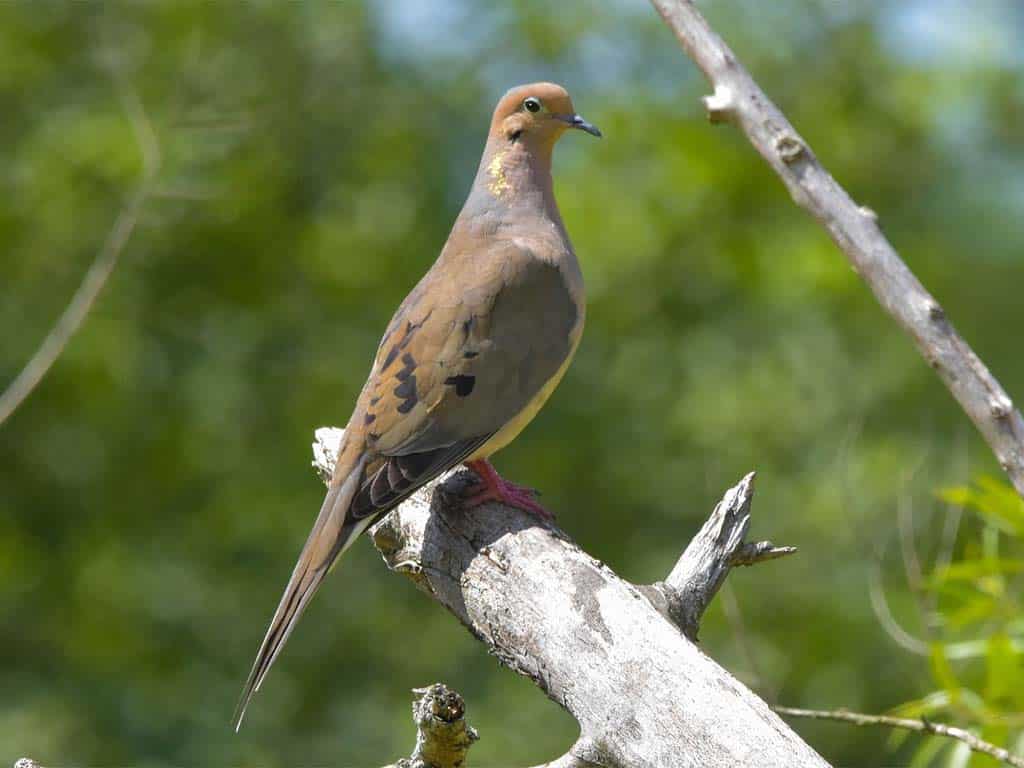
x=642, y=693
x=737, y=98
x=443, y=737
x=718, y=546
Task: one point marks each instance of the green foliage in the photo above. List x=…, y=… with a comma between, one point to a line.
x=155, y=489
x=994, y=500
x=977, y=630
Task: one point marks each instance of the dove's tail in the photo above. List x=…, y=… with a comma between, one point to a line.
x=334, y=530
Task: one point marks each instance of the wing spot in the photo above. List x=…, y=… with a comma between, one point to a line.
x=398, y=346
x=407, y=388
x=392, y=356
x=407, y=392
x=369, y=418
x=463, y=384
x=470, y=355
x=411, y=328
x=409, y=367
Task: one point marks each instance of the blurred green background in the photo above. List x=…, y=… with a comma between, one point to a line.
x=155, y=489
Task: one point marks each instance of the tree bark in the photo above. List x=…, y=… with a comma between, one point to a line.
x=644, y=694
x=443, y=737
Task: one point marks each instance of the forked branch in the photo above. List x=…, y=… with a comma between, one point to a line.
x=643, y=694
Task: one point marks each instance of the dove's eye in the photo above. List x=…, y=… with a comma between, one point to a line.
x=532, y=104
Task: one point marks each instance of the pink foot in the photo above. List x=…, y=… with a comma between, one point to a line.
x=493, y=487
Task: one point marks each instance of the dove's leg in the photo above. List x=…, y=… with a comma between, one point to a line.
x=493, y=487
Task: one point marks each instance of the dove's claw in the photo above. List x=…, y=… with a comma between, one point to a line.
x=493, y=487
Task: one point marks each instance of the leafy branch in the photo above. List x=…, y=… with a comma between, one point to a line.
x=921, y=725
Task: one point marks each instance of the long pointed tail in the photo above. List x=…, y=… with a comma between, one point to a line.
x=333, y=532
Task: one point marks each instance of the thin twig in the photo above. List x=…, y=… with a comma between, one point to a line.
x=920, y=726
x=908, y=549
x=880, y=605
x=912, y=565
x=98, y=273
x=954, y=512
x=854, y=228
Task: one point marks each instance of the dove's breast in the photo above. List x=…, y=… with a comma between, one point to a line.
x=555, y=327
x=518, y=423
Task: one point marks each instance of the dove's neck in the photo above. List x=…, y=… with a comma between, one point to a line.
x=513, y=187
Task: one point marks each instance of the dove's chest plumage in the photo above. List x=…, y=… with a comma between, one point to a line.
x=556, y=324
x=518, y=423
x=549, y=325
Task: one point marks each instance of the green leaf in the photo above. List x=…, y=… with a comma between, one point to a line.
x=970, y=570
x=959, y=756
x=1003, y=675
x=928, y=751
x=994, y=500
x=926, y=706
x=958, y=495
x=980, y=608
x=942, y=672
x=972, y=708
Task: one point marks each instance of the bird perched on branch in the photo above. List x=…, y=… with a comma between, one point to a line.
x=469, y=358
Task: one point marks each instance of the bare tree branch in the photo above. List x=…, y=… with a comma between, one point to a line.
x=643, y=694
x=920, y=726
x=472, y=563
x=706, y=561
x=737, y=98
x=98, y=273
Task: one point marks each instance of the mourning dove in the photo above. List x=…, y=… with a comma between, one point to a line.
x=470, y=356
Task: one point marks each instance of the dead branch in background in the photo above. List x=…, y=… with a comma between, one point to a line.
x=738, y=99
x=103, y=265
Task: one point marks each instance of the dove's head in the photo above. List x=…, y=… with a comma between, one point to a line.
x=536, y=115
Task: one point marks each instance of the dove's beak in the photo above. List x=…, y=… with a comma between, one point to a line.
x=575, y=121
